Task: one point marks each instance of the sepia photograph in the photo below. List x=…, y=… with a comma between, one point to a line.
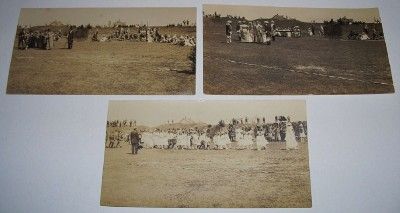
x=104, y=51
x=206, y=154
x=262, y=50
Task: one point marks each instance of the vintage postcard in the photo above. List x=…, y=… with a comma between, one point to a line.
x=260, y=50
x=104, y=51
x=206, y=154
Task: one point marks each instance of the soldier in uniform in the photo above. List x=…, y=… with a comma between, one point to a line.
x=135, y=141
x=228, y=32
x=70, y=38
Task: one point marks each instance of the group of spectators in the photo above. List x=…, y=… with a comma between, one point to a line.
x=42, y=39
x=145, y=34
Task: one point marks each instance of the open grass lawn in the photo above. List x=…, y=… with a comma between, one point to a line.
x=207, y=178
x=97, y=68
x=293, y=66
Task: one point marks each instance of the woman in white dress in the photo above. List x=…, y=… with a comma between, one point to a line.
x=291, y=142
x=160, y=140
x=217, y=139
x=240, y=139
x=195, y=141
x=238, y=135
x=182, y=141
x=303, y=136
x=247, y=140
x=225, y=140
x=261, y=141
x=256, y=138
x=147, y=140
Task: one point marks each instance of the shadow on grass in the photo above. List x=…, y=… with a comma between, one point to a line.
x=188, y=72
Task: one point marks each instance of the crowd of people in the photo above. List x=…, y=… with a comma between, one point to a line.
x=252, y=31
x=366, y=34
x=238, y=134
x=36, y=39
x=266, y=31
x=145, y=34
x=42, y=39
x=45, y=39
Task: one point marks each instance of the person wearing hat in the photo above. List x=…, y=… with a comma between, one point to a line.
x=135, y=140
x=228, y=32
x=267, y=27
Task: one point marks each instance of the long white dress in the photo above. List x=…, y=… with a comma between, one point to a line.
x=238, y=135
x=147, y=140
x=261, y=141
x=160, y=139
x=225, y=140
x=246, y=142
x=217, y=139
x=184, y=141
x=303, y=136
x=291, y=142
x=196, y=141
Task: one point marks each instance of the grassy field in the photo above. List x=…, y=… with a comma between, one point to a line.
x=293, y=66
x=207, y=178
x=97, y=68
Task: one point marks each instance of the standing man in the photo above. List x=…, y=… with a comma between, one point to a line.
x=49, y=39
x=228, y=32
x=267, y=28
x=70, y=38
x=21, y=39
x=135, y=140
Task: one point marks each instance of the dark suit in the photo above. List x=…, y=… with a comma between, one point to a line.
x=135, y=140
x=70, y=39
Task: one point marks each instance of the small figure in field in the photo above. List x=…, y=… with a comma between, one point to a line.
x=70, y=38
x=22, y=39
x=273, y=31
x=228, y=32
x=135, y=141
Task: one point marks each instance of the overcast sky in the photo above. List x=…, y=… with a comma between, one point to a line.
x=101, y=16
x=153, y=113
x=302, y=14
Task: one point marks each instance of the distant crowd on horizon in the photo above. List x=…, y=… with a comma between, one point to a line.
x=45, y=36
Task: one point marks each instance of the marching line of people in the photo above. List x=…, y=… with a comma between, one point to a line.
x=232, y=137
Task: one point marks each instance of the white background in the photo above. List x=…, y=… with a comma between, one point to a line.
x=52, y=147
